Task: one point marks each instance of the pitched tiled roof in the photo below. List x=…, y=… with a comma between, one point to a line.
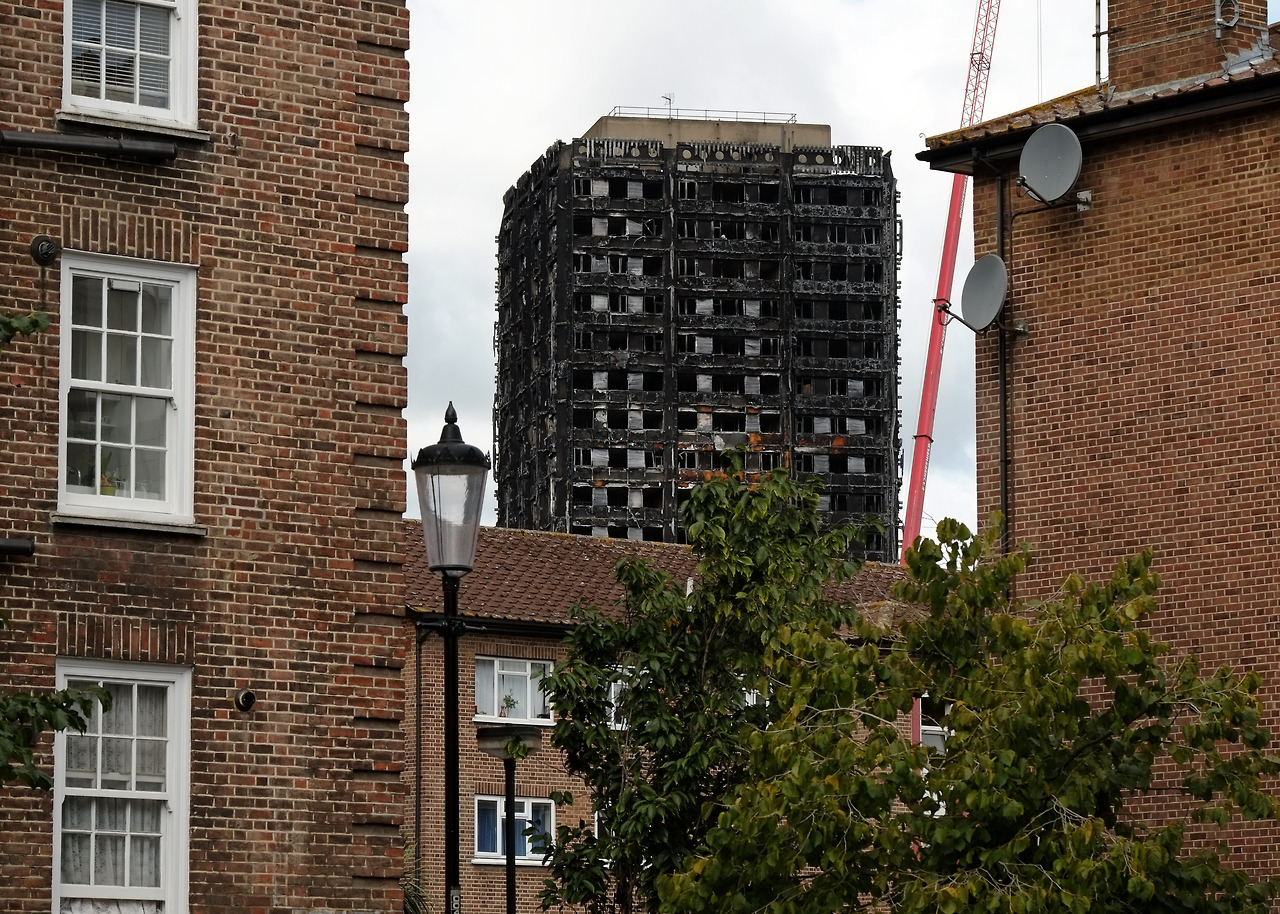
x=530, y=576
x=1091, y=105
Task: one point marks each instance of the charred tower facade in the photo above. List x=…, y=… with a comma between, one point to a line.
x=669, y=287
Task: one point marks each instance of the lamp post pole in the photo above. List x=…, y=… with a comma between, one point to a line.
x=451, y=477
x=452, y=830
x=500, y=742
x=509, y=770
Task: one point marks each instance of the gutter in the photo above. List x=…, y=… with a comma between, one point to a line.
x=1110, y=123
x=147, y=150
x=490, y=625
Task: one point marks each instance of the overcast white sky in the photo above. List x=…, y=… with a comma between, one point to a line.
x=495, y=82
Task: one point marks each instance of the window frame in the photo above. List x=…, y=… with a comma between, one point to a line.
x=175, y=817
x=524, y=811
x=614, y=693
x=534, y=698
x=178, y=505
x=932, y=736
x=181, y=112
x=932, y=732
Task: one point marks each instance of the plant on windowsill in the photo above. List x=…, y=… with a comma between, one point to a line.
x=107, y=480
x=508, y=705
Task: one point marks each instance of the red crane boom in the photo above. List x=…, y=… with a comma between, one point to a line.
x=975, y=95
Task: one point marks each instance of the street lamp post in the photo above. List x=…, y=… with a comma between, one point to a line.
x=498, y=742
x=450, y=476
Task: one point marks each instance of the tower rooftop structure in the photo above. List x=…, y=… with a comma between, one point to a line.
x=670, y=286
x=675, y=126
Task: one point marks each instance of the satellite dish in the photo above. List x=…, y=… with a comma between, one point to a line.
x=1050, y=163
x=983, y=295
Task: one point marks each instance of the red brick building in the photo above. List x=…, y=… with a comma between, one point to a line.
x=200, y=460
x=1137, y=402
x=517, y=603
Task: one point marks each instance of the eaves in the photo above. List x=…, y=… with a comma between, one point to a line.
x=495, y=625
x=1111, y=121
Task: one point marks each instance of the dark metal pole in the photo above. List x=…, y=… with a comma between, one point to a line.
x=452, y=840
x=1006, y=458
x=509, y=769
x=20, y=546
x=419, y=635
x=153, y=150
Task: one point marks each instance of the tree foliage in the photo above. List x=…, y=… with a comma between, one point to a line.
x=1086, y=769
x=1061, y=718
x=23, y=717
x=12, y=325
x=685, y=669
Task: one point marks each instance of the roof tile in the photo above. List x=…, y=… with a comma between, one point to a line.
x=1090, y=100
x=533, y=576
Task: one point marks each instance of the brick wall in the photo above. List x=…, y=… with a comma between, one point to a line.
x=537, y=776
x=289, y=201
x=1142, y=400
x=1151, y=43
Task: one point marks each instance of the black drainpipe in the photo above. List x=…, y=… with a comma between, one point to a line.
x=1006, y=459
x=149, y=150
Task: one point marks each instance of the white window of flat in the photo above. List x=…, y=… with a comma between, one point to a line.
x=121, y=792
x=491, y=829
x=127, y=389
x=932, y=733
x=930, y=712
x=131, y=60
x=510, y=689
x=618, y=688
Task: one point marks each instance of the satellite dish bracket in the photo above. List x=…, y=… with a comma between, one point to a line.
x=1220, y=20
x=1082, y=200
x=945, y=307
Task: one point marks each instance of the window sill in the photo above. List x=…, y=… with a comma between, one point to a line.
x=517, y=721
x=502, y=861
x=123, y=523
x=124, y=123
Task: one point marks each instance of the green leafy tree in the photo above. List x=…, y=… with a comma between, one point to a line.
x=12, y=325
x=23, y=717
x=1068, y=727
x=652, y=706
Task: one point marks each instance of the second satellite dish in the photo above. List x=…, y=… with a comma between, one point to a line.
x=1050, y=163
x=982, y=298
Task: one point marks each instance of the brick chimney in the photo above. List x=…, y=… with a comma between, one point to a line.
x=1154, y=42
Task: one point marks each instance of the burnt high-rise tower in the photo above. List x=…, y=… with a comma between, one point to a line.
x=668, y=287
